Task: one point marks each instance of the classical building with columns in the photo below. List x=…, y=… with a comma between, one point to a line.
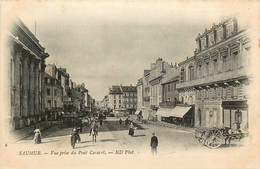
x=218, y=76
x=27, y=66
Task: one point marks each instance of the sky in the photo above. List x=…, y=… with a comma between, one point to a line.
x=105, y=44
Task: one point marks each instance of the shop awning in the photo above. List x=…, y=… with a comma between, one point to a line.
x=180, y=111
x=164, y=112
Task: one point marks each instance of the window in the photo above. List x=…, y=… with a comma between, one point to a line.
x=191, y=73
x=49, y=103
x=55, y=103
x=114, y=101
x=48, y=92
x=182, y=75
x=114, y=96
x=119, y=101
x=235, y=56
x=55, y=92
x=215, y=65
x=224, y=63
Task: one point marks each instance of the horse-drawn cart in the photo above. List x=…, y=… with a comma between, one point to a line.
x=214, y=137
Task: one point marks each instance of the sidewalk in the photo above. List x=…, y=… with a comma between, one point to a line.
x=169, y=125
x=27, y=131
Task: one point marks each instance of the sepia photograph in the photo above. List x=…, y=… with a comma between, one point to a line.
x=130, y=84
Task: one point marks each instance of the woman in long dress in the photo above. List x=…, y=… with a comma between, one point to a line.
x=37, y=136
x=131, y=129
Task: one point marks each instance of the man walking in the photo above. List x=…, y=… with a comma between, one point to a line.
x=120, y=122
x=154, y=144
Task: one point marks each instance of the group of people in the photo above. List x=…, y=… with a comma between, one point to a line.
x=132, y=128
x=92, y=132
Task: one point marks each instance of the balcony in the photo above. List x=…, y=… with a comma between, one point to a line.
x=223, y=76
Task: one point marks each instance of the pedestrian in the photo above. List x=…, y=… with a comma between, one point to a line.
x=154, y=144
x=126, y=122
x=100, y=122
x=37, y=136
x=120, y=122
x=131, y=129
x=92, y=125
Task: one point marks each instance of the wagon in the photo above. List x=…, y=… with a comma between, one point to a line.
x=215, y=137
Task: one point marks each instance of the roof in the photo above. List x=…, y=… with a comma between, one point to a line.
x=129, y=89
x=157, y=77
x=115, y=90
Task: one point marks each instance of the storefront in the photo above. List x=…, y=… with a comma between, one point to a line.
x=235, y=114
x=180, y=115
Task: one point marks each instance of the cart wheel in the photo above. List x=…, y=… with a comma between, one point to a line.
x=213, y=138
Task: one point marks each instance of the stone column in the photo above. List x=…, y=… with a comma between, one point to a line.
x=17, y=54
x=42, y=87
x=37, y=87
x=32, y=84
x=25, y=83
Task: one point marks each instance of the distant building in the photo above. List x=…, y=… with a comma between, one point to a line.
x=123, y=97
x=158, y=69
x=66, y=84
x=27, y=60
x=115, y=98
x=129, y=98
x=170, y=95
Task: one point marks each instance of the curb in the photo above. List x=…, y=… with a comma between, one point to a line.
x=169, y=126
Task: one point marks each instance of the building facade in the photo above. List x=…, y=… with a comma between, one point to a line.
x=186, y=73
x=221, y=76
x=123, y=97
x=158, y=70
x=129, y=98
x=139, y=88
x=27, y=63
x=53, y=92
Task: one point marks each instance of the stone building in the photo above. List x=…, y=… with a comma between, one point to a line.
x=186, y=73
x=67, y=85
x=129, y=98
x=140, y=93
x=221, y=76
x=170, y=95
x=123, y=97
x=27, y=67
x=79, y=94
x=53, y=92
x=158, y=69
x=115, y=97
